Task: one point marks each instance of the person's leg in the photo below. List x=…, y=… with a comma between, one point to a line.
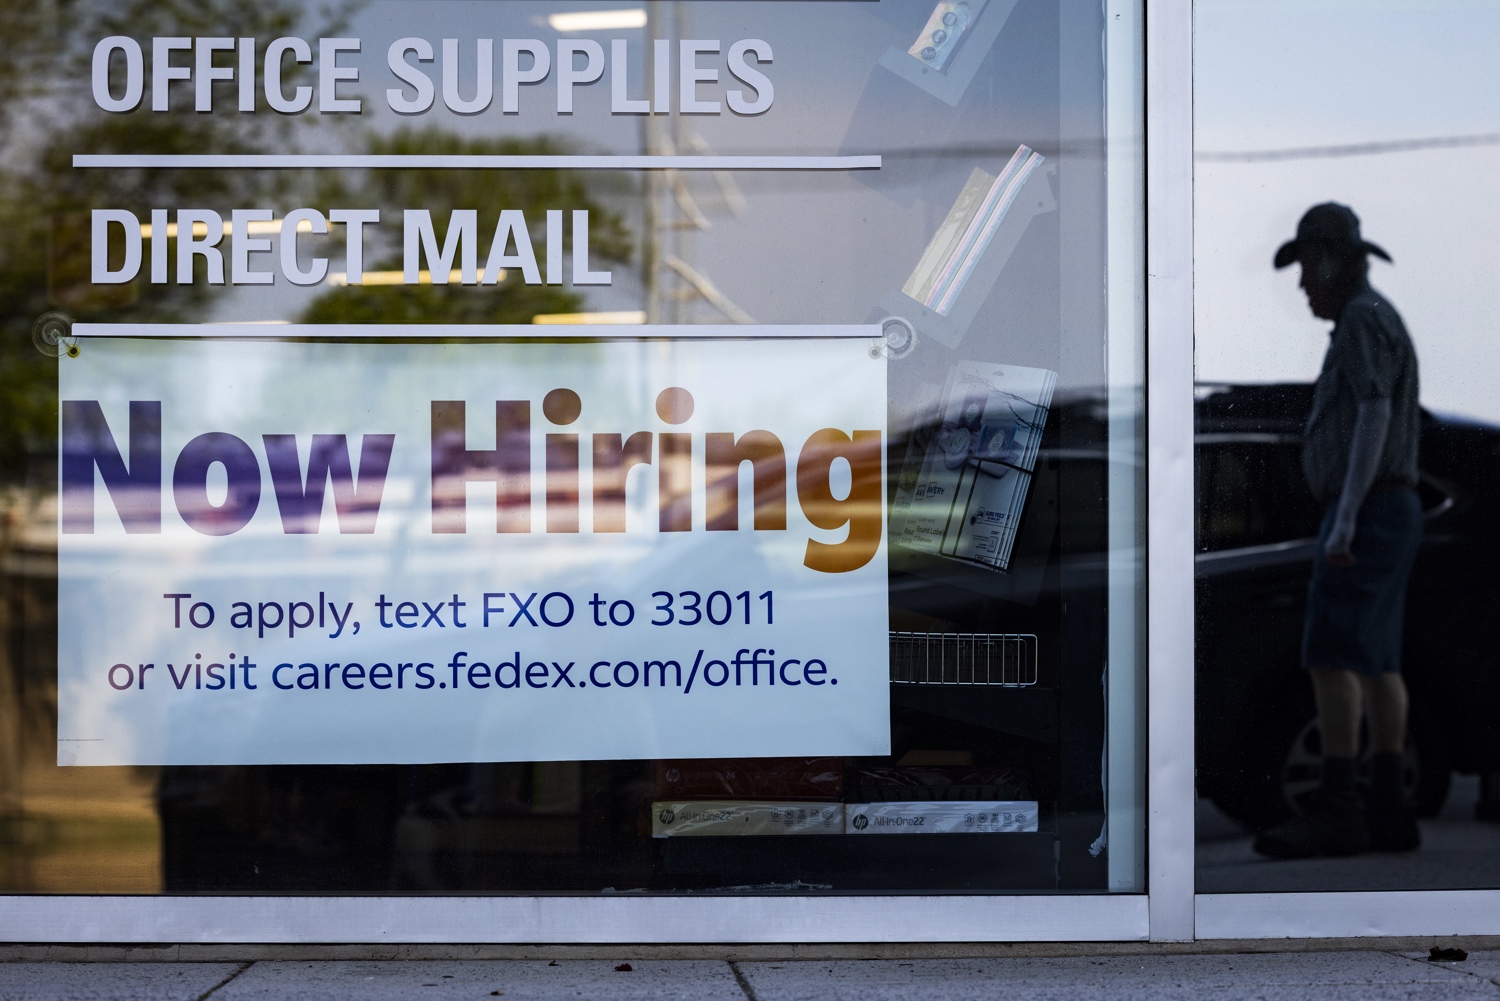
x=1338, y=692
x=1396, y=536
x=1392, y=820
x=1335, y=823
x=1386, y=702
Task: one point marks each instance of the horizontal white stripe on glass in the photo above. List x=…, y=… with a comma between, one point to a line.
x=343, y=161
x=484, y=331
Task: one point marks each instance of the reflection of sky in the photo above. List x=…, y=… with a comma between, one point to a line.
x=1277, y=74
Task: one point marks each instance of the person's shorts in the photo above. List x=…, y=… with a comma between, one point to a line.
x=1354, y=613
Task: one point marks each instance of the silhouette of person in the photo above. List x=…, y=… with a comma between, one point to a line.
x=1360, y=459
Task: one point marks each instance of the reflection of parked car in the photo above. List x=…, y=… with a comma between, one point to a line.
x=1258, y=753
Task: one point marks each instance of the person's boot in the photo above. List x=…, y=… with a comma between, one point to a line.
x=1391, y=819
x=1335, y=826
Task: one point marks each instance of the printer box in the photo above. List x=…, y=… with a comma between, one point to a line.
x=942, y=817
x=729, y=818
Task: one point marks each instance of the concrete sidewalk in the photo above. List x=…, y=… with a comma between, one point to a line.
x=1325, y=976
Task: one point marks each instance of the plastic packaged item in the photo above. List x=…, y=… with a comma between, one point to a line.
x=948, y=51
x=962, y=495
x=969, y=249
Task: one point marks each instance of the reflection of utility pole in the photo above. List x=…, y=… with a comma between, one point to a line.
x=672, y=284
x=703, y=287
x=682, y=237
x=651, y=221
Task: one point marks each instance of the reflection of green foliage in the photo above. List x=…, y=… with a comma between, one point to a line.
x=40, y=205
x=509, y=302
x=488, y=191
x=23, y=25
x=46, y=116
x=28, y=380
x=442, y=191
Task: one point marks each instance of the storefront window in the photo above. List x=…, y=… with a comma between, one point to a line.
x=574, y=447
x=1345, y=686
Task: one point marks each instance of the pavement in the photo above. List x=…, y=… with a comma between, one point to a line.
x=1457, y=853
x=1369, y=975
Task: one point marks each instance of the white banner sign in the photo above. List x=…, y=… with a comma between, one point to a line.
x=279, y=552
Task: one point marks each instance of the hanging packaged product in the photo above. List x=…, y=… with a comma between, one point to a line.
x=951, y=46
x=964, y=486
x=965, y=256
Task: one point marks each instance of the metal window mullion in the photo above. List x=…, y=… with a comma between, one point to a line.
x=1169, y=466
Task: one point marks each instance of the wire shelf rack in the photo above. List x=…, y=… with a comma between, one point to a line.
x=1005, y=659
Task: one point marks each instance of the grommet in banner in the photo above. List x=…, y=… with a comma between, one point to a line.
x=52, y=334
x=898, y=338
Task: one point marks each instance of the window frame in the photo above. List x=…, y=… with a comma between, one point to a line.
x=1158, y=116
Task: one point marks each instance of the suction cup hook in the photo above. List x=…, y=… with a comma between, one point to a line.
x=52, y=333
x=898, y=338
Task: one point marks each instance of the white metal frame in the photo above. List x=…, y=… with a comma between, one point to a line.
x=1166, y=913
x=1169, y=465
x=1352, y=914
x=1125, y=366
x=594, y=919
x=1334, y=914
x=1348, y=914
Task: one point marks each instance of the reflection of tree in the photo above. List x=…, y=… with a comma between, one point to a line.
x=23, y=25
x=47, y=115
x=488, y=191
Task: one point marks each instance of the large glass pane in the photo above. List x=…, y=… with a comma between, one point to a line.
x=802, y=553
x=1347, y=734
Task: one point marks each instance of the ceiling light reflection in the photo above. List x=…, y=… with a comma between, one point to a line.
x=598, y=20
